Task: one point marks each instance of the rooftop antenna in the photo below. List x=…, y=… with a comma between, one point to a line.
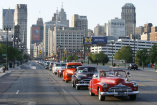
x=62, y=4
x=39, y=14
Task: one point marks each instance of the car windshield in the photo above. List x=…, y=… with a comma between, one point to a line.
x=72, y=66
x=112, y=74
x=86, y=69
x=60, y=64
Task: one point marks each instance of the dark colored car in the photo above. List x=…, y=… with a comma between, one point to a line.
x=82, y=76
x=132, y=66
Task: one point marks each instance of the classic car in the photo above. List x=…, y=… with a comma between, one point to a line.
x=112, y=83
x=82, y=76
x=58, y=66
x=46, y=65
x=61, y=69
x=69, y=70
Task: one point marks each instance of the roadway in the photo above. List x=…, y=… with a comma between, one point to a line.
x=31, y=84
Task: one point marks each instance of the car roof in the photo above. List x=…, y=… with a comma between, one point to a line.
x=87, y=66
x=74, y=63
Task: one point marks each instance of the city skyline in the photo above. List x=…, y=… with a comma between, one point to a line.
x=97, y=12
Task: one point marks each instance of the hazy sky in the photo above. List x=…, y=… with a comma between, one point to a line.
x=97, y=11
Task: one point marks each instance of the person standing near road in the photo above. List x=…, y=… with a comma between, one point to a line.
x=4, y=68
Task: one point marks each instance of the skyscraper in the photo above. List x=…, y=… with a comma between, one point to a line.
x=80, y=23
x=59, y=19
x=115, y=27
x=8, y=18
x=37, y=32
x=129, y=15
x=20, y=18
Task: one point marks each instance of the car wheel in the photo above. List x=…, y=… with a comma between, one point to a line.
x=66, y=81
x=132, y=97
x=91, y=93
x=101, y=98
x=77, y=87
x=73, y=84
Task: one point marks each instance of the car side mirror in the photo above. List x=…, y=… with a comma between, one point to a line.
x=128, y=73
x=95, y=76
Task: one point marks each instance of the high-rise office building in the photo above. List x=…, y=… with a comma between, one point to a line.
x=59, y=19
x=37, y=32
x=20, y=18
x=139, y=30
x=80, y=23
x=147, y=27
x=153, y=34
x=129, y=15
x=99, y=30
x=8, y=18
x=115, y=27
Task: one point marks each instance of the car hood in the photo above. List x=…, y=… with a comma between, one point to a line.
x=60, y=68
x=113, y=80
x=86, y=75
x=71, y=71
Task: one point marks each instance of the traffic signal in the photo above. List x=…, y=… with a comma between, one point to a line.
x=40, y=52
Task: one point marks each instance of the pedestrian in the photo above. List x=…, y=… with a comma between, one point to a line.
x=4, y=68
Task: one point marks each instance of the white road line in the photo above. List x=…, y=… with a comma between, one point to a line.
x=64, y=91
x=17, y=92
x=31, y=103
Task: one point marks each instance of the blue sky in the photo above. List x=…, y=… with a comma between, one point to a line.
x=97, y=11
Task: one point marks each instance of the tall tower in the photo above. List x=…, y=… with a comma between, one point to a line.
x=129, y=15
x=80, y=23
x=20, y=18
x=8, y=18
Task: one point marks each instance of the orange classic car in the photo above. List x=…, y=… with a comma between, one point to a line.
x=69, y=70
x=112, y=83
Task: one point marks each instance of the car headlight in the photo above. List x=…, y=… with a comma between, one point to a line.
x=135, y=84
x=79, y=78
x=104, y=85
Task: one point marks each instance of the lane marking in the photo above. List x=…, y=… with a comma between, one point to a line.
x=64, y=91
x=31, y=103
x=141, y=85
x=17, y=92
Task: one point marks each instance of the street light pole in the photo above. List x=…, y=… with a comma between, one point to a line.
x=7, y=28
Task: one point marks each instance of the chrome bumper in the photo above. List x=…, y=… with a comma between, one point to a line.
x=119, y=93
x=81, y=85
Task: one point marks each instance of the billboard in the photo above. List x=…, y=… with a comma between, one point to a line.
x=95, y=41
x=35, y=33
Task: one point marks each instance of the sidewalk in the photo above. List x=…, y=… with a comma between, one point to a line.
x=100, y=66
x=8, y=71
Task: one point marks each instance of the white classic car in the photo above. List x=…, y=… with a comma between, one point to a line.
x=58, y=66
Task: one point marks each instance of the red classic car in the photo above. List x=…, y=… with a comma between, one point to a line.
x=69, y=70
x=112, y=83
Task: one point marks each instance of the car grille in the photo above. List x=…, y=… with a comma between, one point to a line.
x=84, y=81
x=119, y=88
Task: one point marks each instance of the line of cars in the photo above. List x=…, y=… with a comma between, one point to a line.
x=102, y=83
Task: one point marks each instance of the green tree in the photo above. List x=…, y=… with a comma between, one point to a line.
x=105, y=60
x=94, y=57
x=117, y=55
x=142, y=56
x=153, y=54
x=75, y=58
x=101, y=56
x=126, y=53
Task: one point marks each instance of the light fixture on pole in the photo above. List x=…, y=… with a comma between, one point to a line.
x=112, y=42
x=7, y=28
